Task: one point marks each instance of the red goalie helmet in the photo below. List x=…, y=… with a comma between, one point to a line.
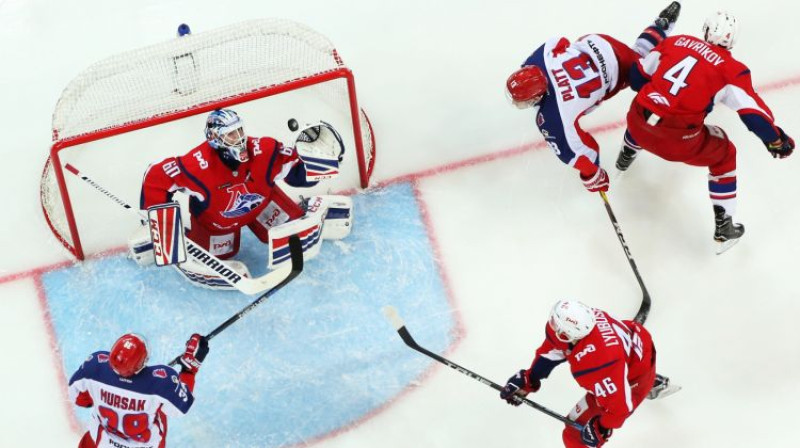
x=527, y=86
x=128, y=355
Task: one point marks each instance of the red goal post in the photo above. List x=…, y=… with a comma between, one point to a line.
x=138, y=107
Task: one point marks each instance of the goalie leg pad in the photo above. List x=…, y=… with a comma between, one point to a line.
x=337, y=215
x=140, y=248
x=307, y=228
x=199, y=275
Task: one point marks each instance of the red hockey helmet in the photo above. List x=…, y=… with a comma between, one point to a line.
x=527, y=86
x=128, y=355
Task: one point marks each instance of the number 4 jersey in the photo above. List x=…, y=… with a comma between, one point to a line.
x=580, y=76
x=608, y=363
x=686, y=76
x=129, y=412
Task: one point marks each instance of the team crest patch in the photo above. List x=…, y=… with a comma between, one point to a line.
x=101, y=358
x=242, y=202
x=540, y=119
x=160, y=373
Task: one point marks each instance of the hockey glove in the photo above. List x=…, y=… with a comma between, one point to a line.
x=593, y=434
x=597, y=182
x=321, y=149
x=782, y=147
x=195, y=354
x=520, y=384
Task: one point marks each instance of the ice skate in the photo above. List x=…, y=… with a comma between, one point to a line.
x=727, y=234
x=662, y=388
x=625, y=158
x=669, y=15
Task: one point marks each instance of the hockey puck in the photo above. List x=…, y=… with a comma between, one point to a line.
x=293, y=126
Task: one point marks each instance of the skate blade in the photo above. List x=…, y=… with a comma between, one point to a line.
x=672, y=389
x=725, y=245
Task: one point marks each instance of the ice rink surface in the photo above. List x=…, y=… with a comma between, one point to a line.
x=477, y=229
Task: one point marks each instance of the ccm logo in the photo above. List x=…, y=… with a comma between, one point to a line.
x=313, y=207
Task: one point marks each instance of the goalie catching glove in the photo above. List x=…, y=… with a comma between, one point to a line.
x=321, y=149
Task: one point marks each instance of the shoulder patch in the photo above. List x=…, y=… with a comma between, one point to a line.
x=160, y=373
x=101, y=358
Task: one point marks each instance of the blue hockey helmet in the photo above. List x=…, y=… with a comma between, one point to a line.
x=225, y=133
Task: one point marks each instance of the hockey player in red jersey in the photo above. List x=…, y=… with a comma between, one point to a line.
x=564, y=81
x=615, y=361
x=231, y=180
x=679, y=82
x=130, y=401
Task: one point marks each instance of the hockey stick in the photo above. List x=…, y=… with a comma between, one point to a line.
x=394, y=318
x=644, y=308
x=249, y=286
x=296, y=250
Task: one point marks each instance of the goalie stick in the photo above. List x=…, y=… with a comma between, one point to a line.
x=644, y=308
x=296, y=250
x=249, y=286
x=397, y=322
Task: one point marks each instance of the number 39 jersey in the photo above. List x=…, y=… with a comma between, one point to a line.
x=129, y=412
x=580, y=76
x=606, y=363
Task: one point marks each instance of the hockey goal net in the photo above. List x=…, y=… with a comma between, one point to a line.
x=138, y=107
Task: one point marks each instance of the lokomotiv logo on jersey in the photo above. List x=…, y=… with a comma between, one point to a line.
x=241, y=202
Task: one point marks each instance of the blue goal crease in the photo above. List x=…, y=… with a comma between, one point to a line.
x=315, y=357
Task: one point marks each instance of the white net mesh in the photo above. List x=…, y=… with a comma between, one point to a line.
x=166, y=84
x=186, y=72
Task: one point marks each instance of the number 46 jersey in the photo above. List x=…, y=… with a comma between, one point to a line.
x=580, y=76
x=129, y=412
x=612, y=363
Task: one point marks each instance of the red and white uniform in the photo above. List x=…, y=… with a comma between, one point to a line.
x=222, y=200
x=581, y=75
x=615, y=363
x=679, y=83
x=129, y=412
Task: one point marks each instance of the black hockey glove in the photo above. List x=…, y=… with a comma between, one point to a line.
x=519, y=384
x=593, y=434
x=781, y=148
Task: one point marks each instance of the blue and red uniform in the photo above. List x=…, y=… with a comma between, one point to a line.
x=129, y=411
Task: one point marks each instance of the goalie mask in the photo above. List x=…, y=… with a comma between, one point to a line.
x=128, y=355
x=571, y=320
x=225, y=133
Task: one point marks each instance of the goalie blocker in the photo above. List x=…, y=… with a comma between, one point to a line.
x=166, y=234
x=326, y=218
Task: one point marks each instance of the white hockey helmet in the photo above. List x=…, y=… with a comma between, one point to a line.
x=571, y=320
x=721, y=29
